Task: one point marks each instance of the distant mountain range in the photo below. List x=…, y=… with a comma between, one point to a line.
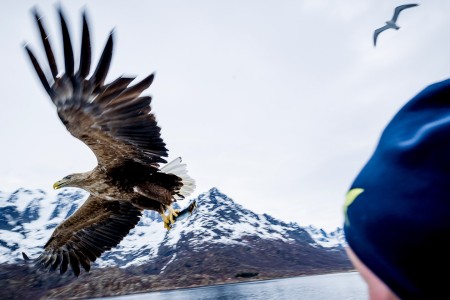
x=221, y=242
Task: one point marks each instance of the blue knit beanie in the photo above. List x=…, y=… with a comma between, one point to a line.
x=397, y=213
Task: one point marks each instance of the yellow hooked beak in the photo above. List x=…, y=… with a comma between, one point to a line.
x=58, y=184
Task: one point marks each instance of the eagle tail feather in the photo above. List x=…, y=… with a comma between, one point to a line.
x=176, y=167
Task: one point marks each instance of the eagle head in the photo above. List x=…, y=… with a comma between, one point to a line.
x=72, y=180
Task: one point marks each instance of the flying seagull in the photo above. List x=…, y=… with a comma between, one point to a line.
x=117, y=123
x=391, y=23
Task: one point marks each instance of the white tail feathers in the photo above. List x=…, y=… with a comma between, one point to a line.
x=175, y=167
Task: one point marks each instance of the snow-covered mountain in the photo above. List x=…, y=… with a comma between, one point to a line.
x=222, y=242
x=28, y=217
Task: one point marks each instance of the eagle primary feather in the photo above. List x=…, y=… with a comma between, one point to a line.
x=116, y=122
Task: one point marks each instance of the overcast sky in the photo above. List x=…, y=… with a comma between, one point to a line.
x=279, y=104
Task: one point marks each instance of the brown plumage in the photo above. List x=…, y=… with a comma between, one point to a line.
x=118, y=125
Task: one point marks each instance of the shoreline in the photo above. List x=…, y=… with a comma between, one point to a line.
x=223, y=284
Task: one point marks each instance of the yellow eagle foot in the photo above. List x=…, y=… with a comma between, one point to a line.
x=166, y=221
x=173, y=214
x=169, y=219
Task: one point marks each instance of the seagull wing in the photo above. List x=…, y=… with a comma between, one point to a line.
x=377, y=32
x=112, y=119
x=96, y=227
x=398, y=9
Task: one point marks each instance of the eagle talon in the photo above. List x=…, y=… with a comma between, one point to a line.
x=165, y=220
x=173, y=213
x=167, y=225
x=169, y=219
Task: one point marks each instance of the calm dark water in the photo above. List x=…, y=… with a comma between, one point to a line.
x=342, y=286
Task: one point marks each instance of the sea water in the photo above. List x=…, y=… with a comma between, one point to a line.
x=340, y=286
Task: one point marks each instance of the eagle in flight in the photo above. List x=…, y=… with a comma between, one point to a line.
x=117, y=123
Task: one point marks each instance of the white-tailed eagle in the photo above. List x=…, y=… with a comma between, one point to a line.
x=116, y=122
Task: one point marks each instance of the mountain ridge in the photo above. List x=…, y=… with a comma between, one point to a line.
x=221, y=242
x=25, y=219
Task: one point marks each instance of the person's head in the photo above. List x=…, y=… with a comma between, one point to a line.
x=378, y=290
x=397, y=212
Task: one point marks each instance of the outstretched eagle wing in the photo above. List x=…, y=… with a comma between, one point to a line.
x=113, y=119
x=96, y=227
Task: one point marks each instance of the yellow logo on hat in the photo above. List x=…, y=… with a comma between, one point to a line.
x=349, y=198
